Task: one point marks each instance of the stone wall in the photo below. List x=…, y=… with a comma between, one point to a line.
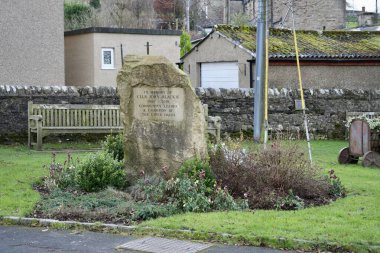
x=326, y=107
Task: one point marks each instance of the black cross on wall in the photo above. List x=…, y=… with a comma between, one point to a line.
x=147, y=47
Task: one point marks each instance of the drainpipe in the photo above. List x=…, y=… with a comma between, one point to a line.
x=251, y=81
x=258, y=111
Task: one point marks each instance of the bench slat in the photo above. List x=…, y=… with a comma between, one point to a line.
x=118, y=118
x=47, y=114
x=107, y=118
x=102, y=118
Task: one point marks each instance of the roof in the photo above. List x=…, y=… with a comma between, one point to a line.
x=311, y=44
x=123, y=31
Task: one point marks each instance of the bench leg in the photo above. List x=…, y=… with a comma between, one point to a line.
x=218, y=135
x=29, y=138
x=39, y=136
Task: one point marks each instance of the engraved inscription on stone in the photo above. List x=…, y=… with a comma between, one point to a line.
x=160, y=104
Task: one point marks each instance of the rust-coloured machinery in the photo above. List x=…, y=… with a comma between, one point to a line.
x=364, y=142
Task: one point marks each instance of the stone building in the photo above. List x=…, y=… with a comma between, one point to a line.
x=308, y=14
x=31, y=44
x=93, y=56
x=330, y=59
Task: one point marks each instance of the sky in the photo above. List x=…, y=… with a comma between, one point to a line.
x=370, y=5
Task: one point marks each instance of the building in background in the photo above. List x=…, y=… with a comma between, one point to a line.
x=93, y=56
x=308, y=15
x=32, y=42
x=330, y=59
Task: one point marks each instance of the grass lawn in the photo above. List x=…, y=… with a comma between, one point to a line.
x=352, y=222
x=20, y=167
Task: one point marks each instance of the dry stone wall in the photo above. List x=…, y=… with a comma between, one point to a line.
x=326, y=107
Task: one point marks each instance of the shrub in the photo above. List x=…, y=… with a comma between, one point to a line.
x=97, y=171
x=279, y=175
x=185, y=43
x=197, y=169
x=188, y=196
x=184, y=194
x=337, y=189
x=61, y=175
x=77, y=14
x=149, y=189
x=114, y=144
x=290, y=202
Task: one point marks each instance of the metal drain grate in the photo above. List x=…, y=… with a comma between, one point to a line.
x=161, y=245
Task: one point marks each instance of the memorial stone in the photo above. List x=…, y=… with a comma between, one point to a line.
x=163, y=118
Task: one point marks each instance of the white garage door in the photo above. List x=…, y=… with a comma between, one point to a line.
x=220, y=75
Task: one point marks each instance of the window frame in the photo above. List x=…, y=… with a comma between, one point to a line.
x=108, y=66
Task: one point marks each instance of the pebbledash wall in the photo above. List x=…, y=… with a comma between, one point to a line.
x=326, y=107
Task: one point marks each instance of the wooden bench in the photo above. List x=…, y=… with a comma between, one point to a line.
x=46, y=119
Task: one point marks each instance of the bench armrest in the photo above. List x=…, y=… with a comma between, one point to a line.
x=35, y=117
x=35, y=121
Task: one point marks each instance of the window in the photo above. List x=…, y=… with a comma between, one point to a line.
x=108, y=58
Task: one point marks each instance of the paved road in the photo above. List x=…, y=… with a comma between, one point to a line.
x=15, y=239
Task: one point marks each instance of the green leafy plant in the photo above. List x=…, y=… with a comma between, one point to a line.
x=290, y=202
x=337, y=189
x=95, y=4
x=185, y=43
x=197, y=169
x=97, y=171
x=61, y=175
x=188, y=196
x=114, y=144
x=77, y=14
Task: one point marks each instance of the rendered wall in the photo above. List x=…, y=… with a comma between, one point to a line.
x=217, y=49
x=31, y=43
x=79, y=59
x=83, y=54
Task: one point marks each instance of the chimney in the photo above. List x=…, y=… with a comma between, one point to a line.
x=363, y=9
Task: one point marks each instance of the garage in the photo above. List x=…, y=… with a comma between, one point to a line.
x=220, y=75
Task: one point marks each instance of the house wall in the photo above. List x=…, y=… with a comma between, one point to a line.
x=31, y=43
x=79, y=58
x=366, y=19
x=309, y=14
x=347, y=77
x=83, y=54
x=216, y=49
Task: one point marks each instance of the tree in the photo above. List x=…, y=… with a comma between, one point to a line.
x=169, y=12
x=185, y=43
x=95, y=4
x=127, y=13
x=77, y=14
x=241, y=19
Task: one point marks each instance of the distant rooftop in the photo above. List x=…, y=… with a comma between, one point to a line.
x=123, y=30
x=312, y=44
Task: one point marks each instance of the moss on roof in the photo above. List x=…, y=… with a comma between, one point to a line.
x=327, y=43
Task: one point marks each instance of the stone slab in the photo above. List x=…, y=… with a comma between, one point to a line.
x=163, y=118
x=162, y=245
